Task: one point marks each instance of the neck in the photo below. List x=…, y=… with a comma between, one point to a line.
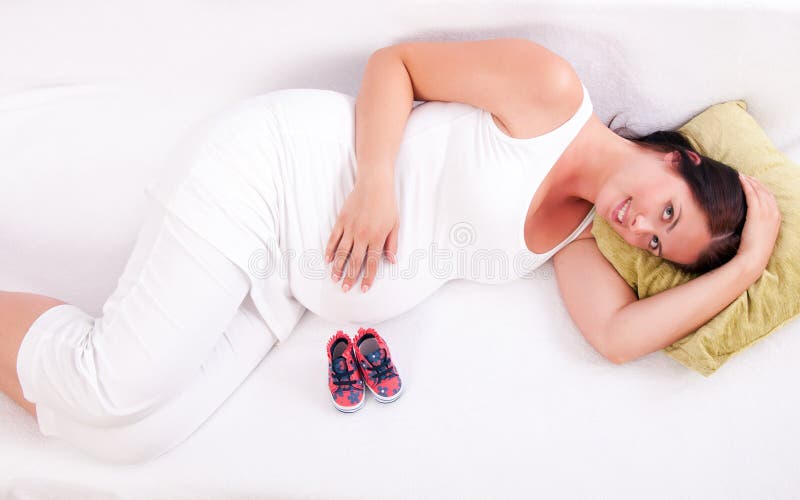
x=599, y=154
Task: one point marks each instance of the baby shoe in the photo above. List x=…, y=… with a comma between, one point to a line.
x=344, y=379
x=375, y=362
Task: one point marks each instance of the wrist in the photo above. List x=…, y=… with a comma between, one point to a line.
x=375, y=178
x=747, y=267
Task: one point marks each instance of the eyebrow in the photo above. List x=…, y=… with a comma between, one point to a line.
x=661, y=247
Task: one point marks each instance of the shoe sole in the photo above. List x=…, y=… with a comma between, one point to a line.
x=348, y=409
x=384, y=399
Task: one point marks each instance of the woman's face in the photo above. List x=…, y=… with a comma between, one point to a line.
x=658, y=210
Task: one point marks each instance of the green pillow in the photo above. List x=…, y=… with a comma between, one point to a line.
x=726, y=132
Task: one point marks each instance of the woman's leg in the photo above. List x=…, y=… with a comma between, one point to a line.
x=169, y=311
x=246, y=341
x=17, y=311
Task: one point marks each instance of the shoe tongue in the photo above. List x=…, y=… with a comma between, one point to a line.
x=339, y=365
x=375, y=357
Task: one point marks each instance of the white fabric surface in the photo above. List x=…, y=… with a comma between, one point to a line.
x=505, y=397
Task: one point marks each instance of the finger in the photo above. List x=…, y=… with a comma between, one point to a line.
x=758, y=189
x=767, y=202
x=762, y=192
x=333, y=240
x=750, y=192
x=746, y=187
x=760, y=185
x=354, y=267
x=373, y=257
x=772, y=201
x=762, y=195
x=340, y=256
x=391, y=244
x=768, y=194
x=745, y=180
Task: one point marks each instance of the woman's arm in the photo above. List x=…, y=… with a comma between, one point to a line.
x=622, y=328
x=383, y=105
x=653, y=323
x=513, y=78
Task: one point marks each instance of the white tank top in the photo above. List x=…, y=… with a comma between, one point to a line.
x=483, y=182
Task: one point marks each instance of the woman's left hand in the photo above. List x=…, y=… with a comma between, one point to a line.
x=761, y=226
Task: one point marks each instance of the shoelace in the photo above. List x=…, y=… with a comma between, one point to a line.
x=339, y=378
x=383, y=370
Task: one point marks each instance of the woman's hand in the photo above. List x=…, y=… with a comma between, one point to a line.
x=761, y=226
x=367, y=225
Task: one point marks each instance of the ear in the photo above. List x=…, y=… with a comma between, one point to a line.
x=694, y=156
x=672, y=158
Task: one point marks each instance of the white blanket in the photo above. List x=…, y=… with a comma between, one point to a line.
x=505, y=397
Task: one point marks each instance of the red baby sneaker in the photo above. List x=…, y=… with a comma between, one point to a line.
x=344, y=379
x=375, y=362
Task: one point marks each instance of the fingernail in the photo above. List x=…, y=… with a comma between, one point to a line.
x=346, y=287
x=364, y=288
x=335, y=277
x=327, y=259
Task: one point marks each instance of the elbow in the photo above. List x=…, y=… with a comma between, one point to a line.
x=612, y=344
x=615, y=358
x=612, y=351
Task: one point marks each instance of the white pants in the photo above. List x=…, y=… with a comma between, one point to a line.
x=174, y=340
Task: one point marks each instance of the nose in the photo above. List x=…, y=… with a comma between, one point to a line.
x=640, y=224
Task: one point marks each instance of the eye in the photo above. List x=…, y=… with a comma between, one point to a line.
x=668, y=212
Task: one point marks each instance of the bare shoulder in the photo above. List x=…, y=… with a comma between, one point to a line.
x=535, y=119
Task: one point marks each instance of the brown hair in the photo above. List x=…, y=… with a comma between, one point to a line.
x=717, y=189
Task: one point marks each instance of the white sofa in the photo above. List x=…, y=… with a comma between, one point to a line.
x=505, y=398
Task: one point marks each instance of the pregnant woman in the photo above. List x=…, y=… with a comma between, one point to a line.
x=358, y=209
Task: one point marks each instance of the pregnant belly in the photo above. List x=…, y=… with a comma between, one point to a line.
x=313, y=166
x=312, y=213
x=397, y=288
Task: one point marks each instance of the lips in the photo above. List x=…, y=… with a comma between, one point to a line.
x=616, y=210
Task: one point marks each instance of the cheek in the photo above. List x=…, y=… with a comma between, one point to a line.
x=643, y=189
x=611, y=193
x=630, y=239
x=651, y=191
x=633, y=240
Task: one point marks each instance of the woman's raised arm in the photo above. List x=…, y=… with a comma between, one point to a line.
x=510, y=77
x=623, y=328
